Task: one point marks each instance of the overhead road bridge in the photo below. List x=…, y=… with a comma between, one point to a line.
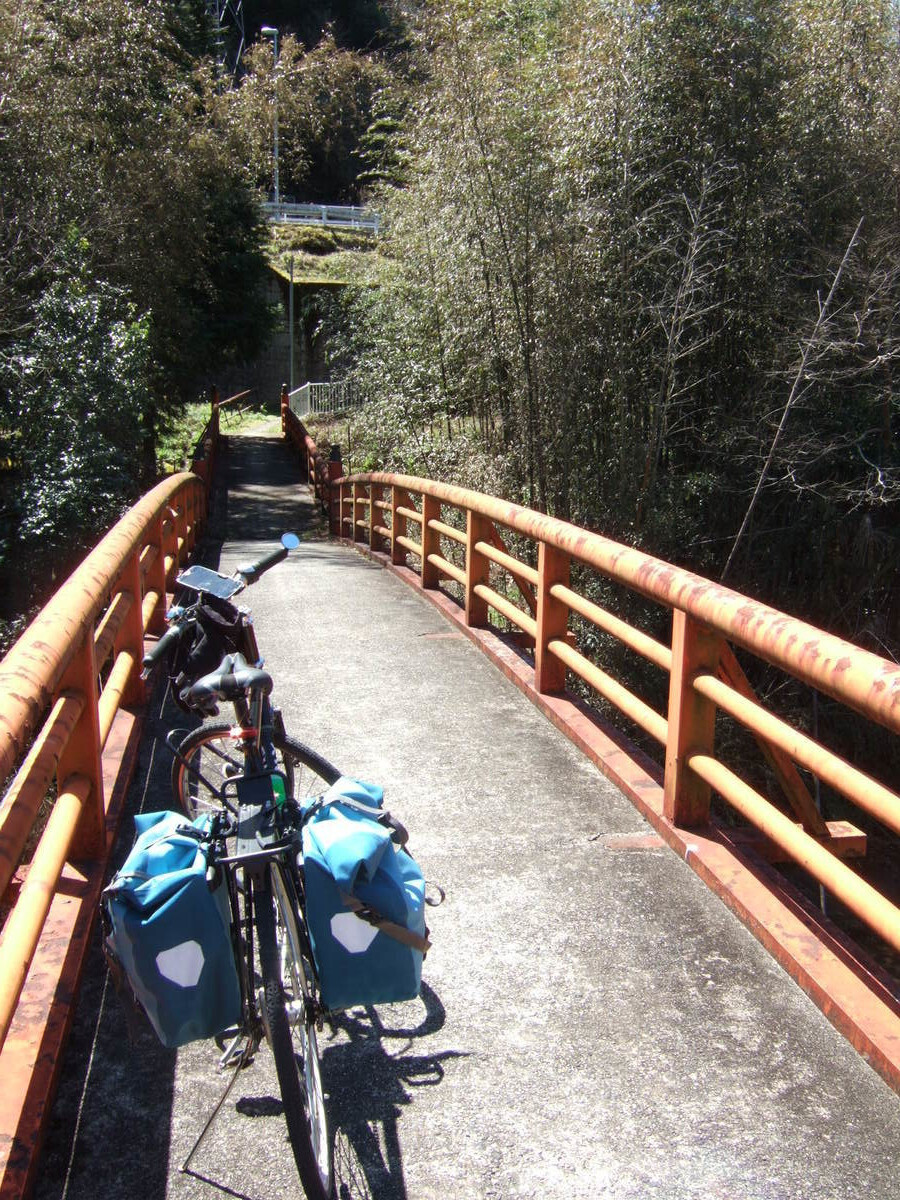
x=337, y=216
x=594, y=1020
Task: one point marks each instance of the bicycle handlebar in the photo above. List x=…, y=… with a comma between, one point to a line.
x=215, y=590
x=231, y=679
x=252, y=571
x=158, y=652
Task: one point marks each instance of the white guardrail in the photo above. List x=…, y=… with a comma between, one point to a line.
x=339, y=215
x=324, y=398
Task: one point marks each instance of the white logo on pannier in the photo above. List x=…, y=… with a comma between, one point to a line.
x=354, y=935
x=182, y=964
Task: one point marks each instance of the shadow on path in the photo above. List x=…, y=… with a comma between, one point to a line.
x=370, y=1079
x=258, y=495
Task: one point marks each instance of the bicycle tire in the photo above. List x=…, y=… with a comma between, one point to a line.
x=289, y=996
x=215, y=755
x=309, y=767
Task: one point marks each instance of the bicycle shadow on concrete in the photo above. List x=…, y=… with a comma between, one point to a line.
x=370, y=1077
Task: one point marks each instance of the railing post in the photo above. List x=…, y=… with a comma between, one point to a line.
x=285, y=405
x=552, y=618
x=335, y=471
x=431, y=540
x=156, y=577
x=131, y=635
x=346, y=499
x=478, y=568
x=376, y=494
x=692, y=720
x=359, y=504
x=81, y=754
x=334, y=511
x=398, y=525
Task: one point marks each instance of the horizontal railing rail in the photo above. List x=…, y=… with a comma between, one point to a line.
x=456, y=538
x=69, y=688
x=340, y=216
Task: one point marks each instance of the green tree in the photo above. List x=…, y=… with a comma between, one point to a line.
x=325, y=98
x=107, y=126
x=613, y=234
x=73, y=409
x=109, y=141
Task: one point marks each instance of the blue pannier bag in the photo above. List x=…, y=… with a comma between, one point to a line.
x=365, y=900
x=171, y=932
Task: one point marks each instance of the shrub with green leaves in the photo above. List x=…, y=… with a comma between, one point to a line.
x=73, y=396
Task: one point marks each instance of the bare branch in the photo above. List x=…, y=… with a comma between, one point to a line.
x=795, y=393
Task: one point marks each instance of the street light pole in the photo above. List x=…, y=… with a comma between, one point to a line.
x=291, y=319
x=272, y=32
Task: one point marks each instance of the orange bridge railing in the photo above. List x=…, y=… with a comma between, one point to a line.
x=322, y=472
x=452, y=543
x=69, y=691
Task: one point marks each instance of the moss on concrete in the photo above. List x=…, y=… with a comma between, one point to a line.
x=324, y=257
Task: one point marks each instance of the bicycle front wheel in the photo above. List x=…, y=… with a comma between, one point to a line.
x=214, y=754
x=291, y=1014
x=309, y=770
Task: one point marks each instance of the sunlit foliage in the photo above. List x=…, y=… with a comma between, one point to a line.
x=611, y=249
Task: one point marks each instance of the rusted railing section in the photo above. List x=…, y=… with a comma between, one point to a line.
x=207, y=444
x=456, y=537
x=322, y=471
x=66, y=688
x=231, y=402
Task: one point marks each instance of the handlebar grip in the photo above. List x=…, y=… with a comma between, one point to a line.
x=158, y=652
x=252, y=571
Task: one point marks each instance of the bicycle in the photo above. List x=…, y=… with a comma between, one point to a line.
x=254, y=850
x=244, y=776
x=202, y=633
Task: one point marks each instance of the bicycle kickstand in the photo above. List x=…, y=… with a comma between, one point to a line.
x=240, y=1059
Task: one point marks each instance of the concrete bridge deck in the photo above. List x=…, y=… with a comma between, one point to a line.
x=594, y=1022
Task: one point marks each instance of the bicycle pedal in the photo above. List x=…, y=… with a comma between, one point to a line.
x=237, y=1052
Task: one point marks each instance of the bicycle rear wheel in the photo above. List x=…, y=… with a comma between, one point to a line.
x=290, y=1009
x=213, y=754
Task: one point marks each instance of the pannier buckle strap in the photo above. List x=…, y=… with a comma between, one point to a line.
x=373, y=917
